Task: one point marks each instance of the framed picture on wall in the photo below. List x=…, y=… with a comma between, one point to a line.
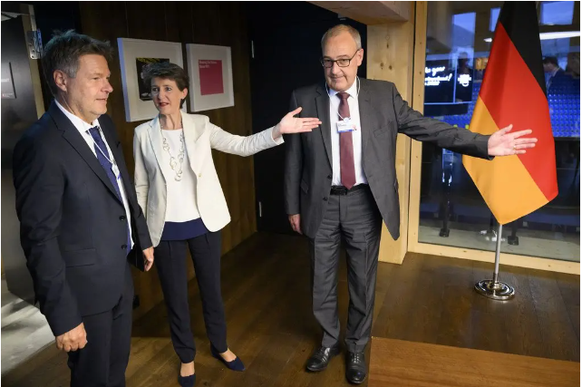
x=210, y=71
x=134, y=56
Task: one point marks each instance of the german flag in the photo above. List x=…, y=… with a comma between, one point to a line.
x=514, y=92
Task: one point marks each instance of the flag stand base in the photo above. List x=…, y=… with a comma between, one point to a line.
x=495, y=290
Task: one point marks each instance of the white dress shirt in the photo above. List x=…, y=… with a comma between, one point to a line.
x=83, y=128
x=356, y=134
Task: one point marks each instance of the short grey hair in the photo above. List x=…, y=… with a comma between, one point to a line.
x=63, y=51
x=336, y=30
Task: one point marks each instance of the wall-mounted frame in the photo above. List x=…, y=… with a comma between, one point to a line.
x=210, y=71
x=134, y=54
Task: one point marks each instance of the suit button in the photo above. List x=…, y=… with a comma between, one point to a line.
x=325, y=199
x=329, y=176
x=199, y=175
x=122, y=217
x=123, y=247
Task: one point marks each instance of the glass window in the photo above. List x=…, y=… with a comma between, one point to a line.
x=465, y=21
x=557, y=12
x=464, y=29
x=493, y=18
x=452, y=211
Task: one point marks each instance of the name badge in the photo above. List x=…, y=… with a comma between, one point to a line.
x=346, y=125
x=115, y=171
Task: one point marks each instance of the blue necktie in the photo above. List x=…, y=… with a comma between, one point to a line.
x=104, y=157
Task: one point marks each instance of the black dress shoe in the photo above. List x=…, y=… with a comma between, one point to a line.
x=356, y=367
x=321, y=357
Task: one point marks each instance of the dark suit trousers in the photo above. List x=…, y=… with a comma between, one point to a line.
x=103, y=361
x=170, y=260
x=355, y=219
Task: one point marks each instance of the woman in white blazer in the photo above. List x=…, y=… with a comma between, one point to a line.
x=180, y=194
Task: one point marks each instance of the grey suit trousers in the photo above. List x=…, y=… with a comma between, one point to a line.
x=355, y=219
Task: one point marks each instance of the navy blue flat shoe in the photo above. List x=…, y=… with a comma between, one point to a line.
x=187, y=381
x=235, y=365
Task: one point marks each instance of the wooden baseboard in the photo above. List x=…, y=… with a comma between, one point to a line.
x=539, y=263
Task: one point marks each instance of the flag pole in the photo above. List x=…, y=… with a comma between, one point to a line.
x=493, y=288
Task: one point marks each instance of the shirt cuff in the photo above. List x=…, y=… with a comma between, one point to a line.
x=278, y=141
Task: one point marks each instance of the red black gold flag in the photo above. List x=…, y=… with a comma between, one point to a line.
x=514, y=92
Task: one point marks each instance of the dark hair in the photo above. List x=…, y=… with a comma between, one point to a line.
x=166, y=70
x=63, y=51
x=551, y=59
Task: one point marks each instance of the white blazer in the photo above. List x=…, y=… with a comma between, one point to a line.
x=200, y=137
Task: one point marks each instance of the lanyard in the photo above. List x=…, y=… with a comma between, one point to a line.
x=356, y=96
x=114, y=167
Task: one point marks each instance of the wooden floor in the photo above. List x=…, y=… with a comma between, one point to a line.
x=266, y=284
x=397, y=363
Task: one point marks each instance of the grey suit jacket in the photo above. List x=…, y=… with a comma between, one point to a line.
x=383, y=114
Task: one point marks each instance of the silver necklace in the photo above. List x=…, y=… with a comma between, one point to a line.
x=175, y=162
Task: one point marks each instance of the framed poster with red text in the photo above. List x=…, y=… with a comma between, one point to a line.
x=210, y=71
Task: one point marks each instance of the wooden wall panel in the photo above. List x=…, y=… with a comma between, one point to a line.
x=390, y=57
x=370, y=12
x=187, y=22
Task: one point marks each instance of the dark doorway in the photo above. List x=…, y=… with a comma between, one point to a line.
x=19, y=111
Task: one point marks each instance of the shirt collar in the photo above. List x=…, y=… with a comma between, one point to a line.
x=77, y=122
x=352, y=91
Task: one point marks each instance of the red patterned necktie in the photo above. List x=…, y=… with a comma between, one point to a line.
x=348, y=172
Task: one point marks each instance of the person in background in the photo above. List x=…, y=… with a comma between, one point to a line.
x=555, y=76
x=573, y=66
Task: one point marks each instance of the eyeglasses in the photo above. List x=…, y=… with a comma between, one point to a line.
x=343, y=62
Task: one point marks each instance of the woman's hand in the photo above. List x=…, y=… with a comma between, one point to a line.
x=290, y=124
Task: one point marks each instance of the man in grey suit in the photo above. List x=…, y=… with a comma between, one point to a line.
x=340, y=182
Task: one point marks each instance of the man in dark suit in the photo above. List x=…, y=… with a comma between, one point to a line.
x=79, y=214
x=555, y=76
x=340, y=182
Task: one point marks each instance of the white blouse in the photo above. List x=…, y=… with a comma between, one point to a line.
x=181, y=193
